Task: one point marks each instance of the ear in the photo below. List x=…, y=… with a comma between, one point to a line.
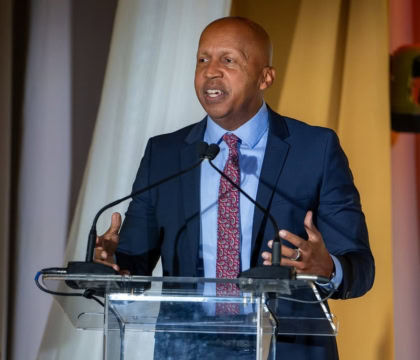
x=268, y=76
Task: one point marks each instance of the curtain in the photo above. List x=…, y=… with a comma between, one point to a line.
x=43, y=166
x=405, y=30
x=5, y=163
x=52, y=94
x=332, y=60
x=148, y=90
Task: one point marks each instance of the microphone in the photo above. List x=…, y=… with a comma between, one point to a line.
x=91, y=267
x=275, y=271
x=212, y=151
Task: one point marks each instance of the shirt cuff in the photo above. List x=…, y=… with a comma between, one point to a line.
x=337, y=278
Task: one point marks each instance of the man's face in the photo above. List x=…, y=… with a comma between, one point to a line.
x=229, y=75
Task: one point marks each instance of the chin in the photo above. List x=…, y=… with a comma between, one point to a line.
x=216, y=112
x=218, y=117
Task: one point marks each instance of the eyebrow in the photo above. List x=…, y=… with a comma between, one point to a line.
x=225, y=52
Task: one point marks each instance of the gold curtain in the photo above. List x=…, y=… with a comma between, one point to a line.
x=331, y=59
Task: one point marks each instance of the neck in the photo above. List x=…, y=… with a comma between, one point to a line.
x=235, y=120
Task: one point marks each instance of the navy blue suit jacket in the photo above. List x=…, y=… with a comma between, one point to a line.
x=304, y=168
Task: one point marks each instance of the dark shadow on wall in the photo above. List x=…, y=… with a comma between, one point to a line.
x=338, y=67
x=279, y=19
x=92, y=23
x=418, y=181
x=20, y=39
x=416, y=31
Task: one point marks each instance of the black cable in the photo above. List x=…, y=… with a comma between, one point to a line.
x=88, y=293
x=273, y=313
x=39, y=273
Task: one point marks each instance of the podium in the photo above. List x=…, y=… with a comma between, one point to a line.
x=185, y=318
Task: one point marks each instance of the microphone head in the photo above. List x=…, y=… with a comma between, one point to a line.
x=212, y=151
x=202, y=147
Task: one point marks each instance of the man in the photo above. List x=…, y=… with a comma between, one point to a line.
x=298, y=172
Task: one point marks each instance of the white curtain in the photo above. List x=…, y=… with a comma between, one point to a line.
x=5, y=162
x=148, y=90
x=44, y=170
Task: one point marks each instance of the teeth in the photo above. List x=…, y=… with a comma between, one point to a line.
x=213, y=93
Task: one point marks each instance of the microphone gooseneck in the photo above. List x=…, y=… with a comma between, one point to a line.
x=202, y=149
x=205, y=152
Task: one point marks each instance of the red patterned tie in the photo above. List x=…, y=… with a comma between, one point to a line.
x=228, y=230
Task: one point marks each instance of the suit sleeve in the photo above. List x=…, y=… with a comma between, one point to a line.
x=342, y=223
x=139, y=246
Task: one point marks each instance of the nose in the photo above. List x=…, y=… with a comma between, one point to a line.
x=213, y=70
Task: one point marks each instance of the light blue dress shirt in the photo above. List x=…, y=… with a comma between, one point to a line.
x=253, y=140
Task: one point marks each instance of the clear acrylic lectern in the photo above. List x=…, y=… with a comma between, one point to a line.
x=185, y=318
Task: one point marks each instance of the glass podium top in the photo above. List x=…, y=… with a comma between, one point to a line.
x=129, y=283
x=190, y=304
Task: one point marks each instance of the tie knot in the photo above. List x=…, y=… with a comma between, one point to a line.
x=231, y=140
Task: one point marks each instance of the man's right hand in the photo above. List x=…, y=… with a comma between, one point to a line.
x=107, y=243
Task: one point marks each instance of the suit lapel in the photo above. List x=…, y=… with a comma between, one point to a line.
x=274, y=158
x=191, y=190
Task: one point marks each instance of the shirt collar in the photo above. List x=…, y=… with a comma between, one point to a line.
x=249, y=133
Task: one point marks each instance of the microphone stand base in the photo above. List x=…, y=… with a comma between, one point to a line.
x=82, y=267
x=269, y=272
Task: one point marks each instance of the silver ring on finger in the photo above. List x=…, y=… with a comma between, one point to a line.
x=298, y=255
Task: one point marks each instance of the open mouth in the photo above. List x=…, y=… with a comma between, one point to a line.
x=213, y=93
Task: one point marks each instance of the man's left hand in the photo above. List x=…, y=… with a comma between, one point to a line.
x=313, y=258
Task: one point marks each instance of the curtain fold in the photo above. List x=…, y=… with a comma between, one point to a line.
x=364, y=129
x=148, y=90
x=336, y=75
x=43, y=167
x=5, y=163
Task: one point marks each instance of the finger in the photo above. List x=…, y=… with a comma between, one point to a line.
x=267, y=258
x=115, y=224
x=293, y=239
x=285, y=250
x=298, y=265
x=311, y=230
x=288, y=252
x=266, y=255
x=107, y=263
x=124, y=272
x=100, y=254
x=98, y=251
x=99, y=245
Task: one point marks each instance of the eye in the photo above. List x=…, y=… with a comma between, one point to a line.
x=228, y=60
x=203, y=60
